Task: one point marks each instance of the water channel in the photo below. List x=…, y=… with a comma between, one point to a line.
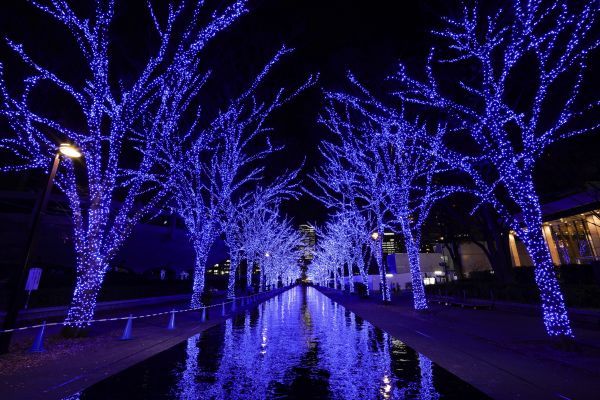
x=298, y=345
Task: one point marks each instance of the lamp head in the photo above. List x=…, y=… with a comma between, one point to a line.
x=68, y=150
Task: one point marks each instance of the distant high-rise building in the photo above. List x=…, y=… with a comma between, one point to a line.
x=309, y=241
x=391, y=244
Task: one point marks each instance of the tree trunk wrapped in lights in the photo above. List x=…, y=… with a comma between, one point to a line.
x=201, y=253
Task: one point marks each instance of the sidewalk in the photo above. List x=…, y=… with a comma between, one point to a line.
x=70, y=365
x=505, y=355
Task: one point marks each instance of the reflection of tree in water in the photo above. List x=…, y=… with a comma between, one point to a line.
x=187, y=387
x=427, y=391
x=250, y=358
x=305, y=380
x=357, y=357
x=302, y=345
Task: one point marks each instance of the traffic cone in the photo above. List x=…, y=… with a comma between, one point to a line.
x=38, y=343
x=171, y=325
x=127, y=330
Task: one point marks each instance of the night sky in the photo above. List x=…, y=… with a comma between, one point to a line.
x=329, y=37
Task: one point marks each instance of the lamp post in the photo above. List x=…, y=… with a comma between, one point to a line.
x=385, y=294
x=14, y=304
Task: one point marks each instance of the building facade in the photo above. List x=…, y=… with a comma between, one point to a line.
x=309, y=241
x=160, y=243
x=571, y=228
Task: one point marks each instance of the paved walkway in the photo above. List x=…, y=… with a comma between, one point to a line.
x=505, y=355
x=70, y=365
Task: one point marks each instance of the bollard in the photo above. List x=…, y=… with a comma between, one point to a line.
x=38, y=343
x=203, y=318
x=171, y=325
x=223, y=310
x=233, y=305
x=243, y=301
x=127, y=330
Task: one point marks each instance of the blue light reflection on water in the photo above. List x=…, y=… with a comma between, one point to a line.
x=298, y=345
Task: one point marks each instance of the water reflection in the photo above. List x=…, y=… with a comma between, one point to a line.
x=297, y=345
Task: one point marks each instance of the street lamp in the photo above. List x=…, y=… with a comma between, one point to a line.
x=66, y=150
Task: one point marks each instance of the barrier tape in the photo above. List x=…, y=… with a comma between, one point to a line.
x=136, y=317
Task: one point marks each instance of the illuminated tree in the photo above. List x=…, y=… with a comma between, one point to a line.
x=258, y=236
x=329, y=257
x=257, y=232
x=407, y=153
x=342, y=247
x=121, y=122
x=283, y=250
x=345, y=240
x=319, y=269
x=238, y=162
x=184, y=157
x=357, y=236
x=201, y=165
x=517, y=76
x=352, y=177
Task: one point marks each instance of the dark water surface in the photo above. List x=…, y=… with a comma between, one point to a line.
x=298, y=345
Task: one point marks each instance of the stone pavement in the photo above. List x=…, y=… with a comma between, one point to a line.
x=70, y=365
x=505, y=355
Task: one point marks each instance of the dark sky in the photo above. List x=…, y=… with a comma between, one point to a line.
x=330, y=37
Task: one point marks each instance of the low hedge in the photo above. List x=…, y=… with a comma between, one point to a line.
x=576, y=295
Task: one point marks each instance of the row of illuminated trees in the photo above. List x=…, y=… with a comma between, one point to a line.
x=146, y=145
x=500, y=87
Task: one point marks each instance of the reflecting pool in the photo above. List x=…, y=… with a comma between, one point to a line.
x=298, y=345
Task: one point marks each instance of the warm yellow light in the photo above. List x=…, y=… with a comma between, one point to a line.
x=69, y=150
x=374, y=235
